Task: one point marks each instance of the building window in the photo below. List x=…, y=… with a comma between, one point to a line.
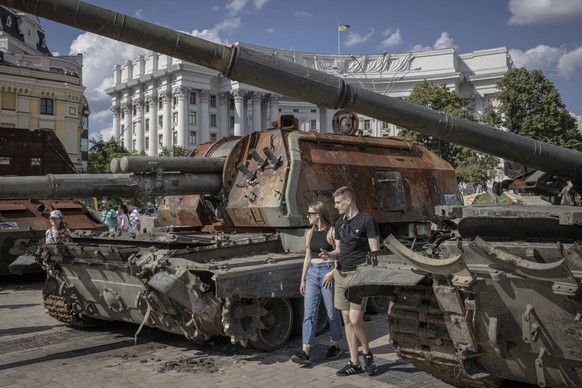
x=122, y=114
x=175, y=137
x=175, y=99
x=213, y=137
x=175, y=119
x=8, y=100
x=161, y=121
x=231, y=104
x=213, y=101
x=192, y=120
x=295, y=110
x=367, y=125
x=192, y=137
x=192, y=98
x=160, y=141
x=133, y=146
x=385, y=125
x=313, y=110
x=46, y=106
x=213, y=121
x=133, y=128
x=134, y=110
x=161, y=103
x=147, y=107
x=147, y=125
x=313, y=125
x=147, y=143
x=231, y=122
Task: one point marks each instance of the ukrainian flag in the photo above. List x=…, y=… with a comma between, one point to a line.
x=343, y=27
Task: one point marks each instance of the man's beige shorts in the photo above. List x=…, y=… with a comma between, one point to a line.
x=341, y=280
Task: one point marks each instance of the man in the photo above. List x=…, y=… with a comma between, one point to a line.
x=134, y=220
x=108, y=215
x=356, y=234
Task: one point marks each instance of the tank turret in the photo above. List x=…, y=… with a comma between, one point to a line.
x=498, y=303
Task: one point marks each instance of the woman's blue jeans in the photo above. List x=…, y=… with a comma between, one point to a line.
x=314, y=292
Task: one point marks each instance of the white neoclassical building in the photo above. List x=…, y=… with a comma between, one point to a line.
x=159, y=101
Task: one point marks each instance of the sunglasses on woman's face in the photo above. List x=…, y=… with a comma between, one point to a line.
x=309, y=214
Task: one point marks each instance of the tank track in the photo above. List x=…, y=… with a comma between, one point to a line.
x=419, y=335
x=58, y=308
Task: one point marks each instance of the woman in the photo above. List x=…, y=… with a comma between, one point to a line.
x=317, y=282
x=58, y=232
x=122, y=218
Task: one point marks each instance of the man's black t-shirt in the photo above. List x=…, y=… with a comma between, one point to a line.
x=353, y=235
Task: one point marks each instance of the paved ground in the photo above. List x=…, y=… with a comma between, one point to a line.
x=37, y=351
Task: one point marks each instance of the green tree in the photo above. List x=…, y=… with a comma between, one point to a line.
x=470, y=166
x=101, y=153
x=530, y=105
x=176, y=150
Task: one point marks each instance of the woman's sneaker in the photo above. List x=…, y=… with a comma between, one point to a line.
x=333, y=352
x=301, y=358
x=350, y=369
x=369, y=364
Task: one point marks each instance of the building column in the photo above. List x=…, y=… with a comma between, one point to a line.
x=152, y=102
x=128, y=128
x=116, y=110
x=239, y=111
x=256, y=100
x=274, y=102
x=264, y=114
x=325, y=120
x=139, y=132
x=167, y=120
x=223, y=117
x=204, y=127
x=182, y=126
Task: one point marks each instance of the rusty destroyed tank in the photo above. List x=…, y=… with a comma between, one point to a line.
x=23, y=222
x=494, y=302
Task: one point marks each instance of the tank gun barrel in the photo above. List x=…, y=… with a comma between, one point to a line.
x=143, y=164
x=267, y=71
x=97, y=185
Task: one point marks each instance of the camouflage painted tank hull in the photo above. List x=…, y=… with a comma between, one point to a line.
x=187, y=285
x=487, y=312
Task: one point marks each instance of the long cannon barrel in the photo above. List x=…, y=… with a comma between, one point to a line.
x=266, y=71
x=143, y=164
x=97, y=185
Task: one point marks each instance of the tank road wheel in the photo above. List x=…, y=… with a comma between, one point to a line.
x=298, y=309
x=276, y=324
x=241, y=319
x=377, y=305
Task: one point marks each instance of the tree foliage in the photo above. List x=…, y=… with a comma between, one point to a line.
x=101, y=153
x=530, y=105
x=470, y=166
x=176, y=150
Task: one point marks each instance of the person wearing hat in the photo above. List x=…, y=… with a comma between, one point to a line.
x=58, y=232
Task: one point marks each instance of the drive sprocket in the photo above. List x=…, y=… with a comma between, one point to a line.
x=241, y=318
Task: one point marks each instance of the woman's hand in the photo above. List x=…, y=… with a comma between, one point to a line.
x=302, y=287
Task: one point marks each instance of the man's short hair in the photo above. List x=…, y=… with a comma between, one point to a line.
x=345, y=191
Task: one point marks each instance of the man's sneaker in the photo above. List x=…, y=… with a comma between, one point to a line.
x=301, y=358
x=333, y=352
x=369, y=364
x=350, y=369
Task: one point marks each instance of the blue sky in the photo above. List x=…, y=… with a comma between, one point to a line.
x=541, y=34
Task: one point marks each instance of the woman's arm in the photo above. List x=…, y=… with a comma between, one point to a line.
x=306, y=261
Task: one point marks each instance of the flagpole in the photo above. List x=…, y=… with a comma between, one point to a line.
x=338, y=38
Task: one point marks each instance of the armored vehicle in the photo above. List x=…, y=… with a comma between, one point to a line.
x=23, y=221
x=497, y=304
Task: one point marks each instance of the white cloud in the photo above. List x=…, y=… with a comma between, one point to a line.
x=235, y=6
x=100, y=55
x=270, y=30
x=213, y=34
x=445, y=41
x=139, y=13
x=354, y=38
x=258, y=4
x=541, y=57
x=303, y=14
x=544, y=11
x=393, y=38
x=570, y=62
x=579, y=120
